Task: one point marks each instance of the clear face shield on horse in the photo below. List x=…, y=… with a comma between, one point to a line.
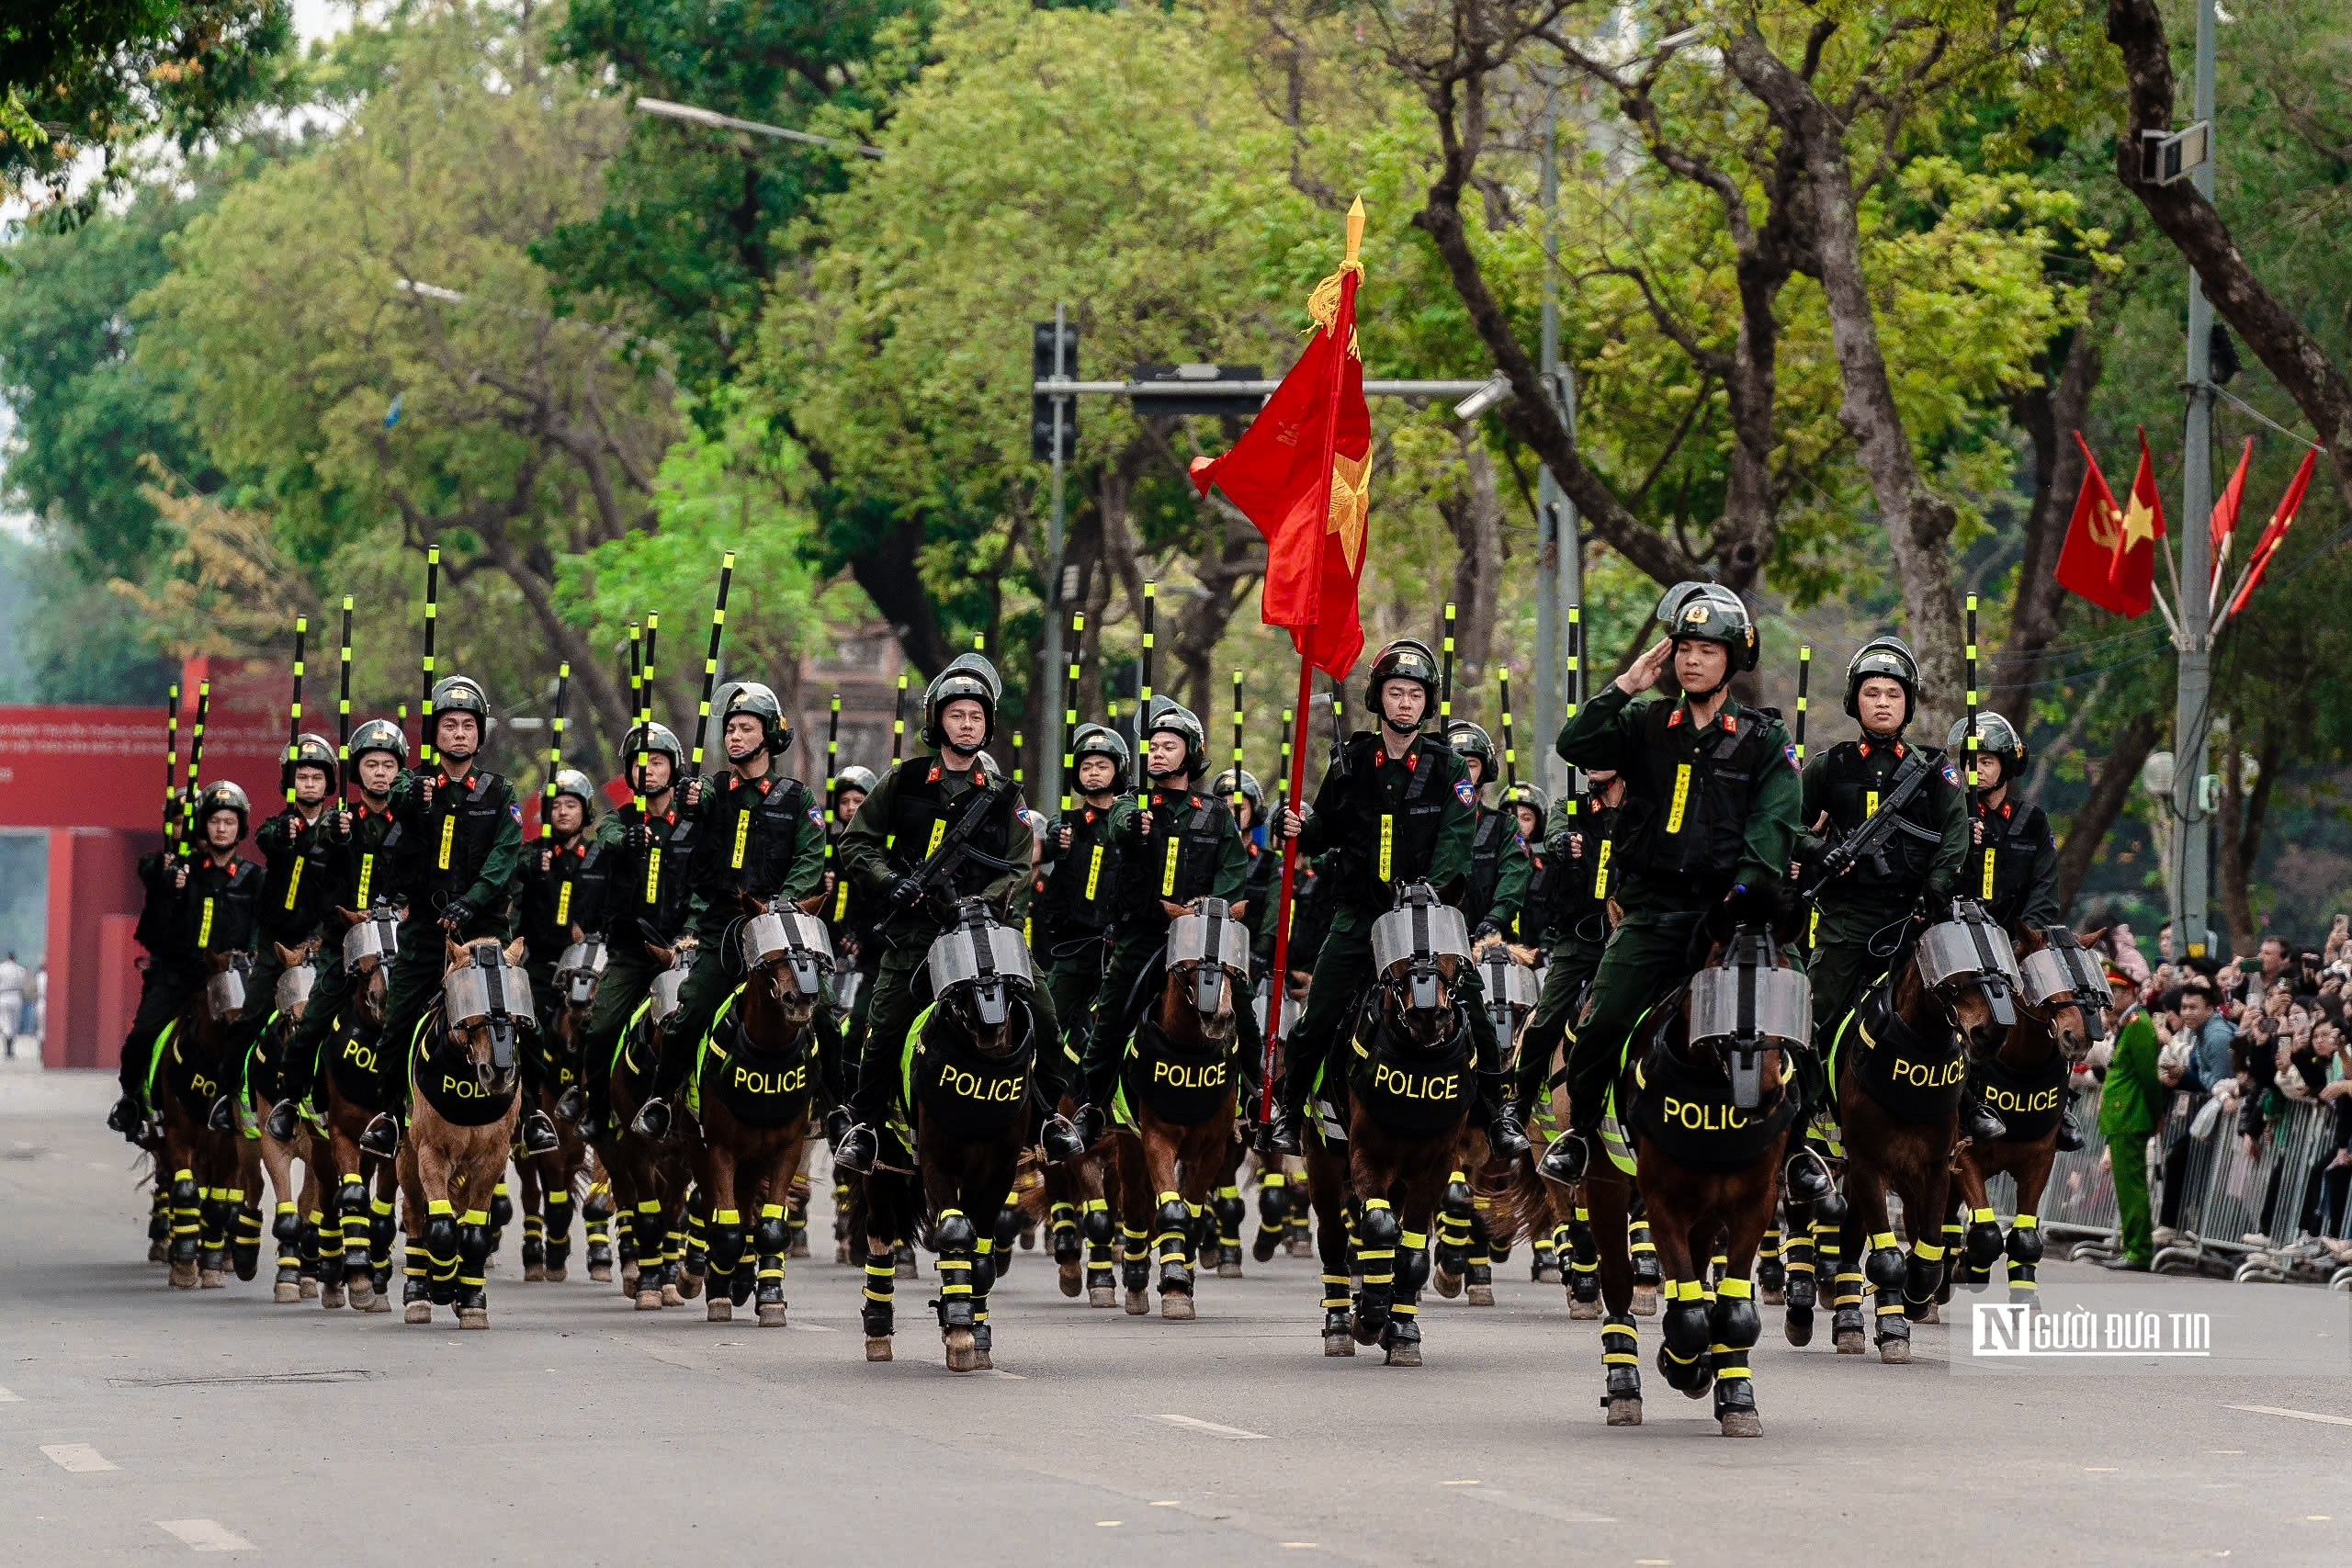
x=493, y=994
x=1215, y=947
x=987, y=960
x=2063, y=975
x=1745, y=1006
x=294, y=986
x=578, y=971
x=798, y=944
x=1969, y=949
x=1415, y=935
x=378, y=938
x=224, y=993
x=1511, y=990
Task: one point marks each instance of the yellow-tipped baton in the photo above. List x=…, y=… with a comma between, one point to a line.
x=1143, y=688
x=1236, y=801
x=711, y=656
x=171, y=752
x=432, y=620
x=1510, y=752
x=898, y=721
x=294, y=706
x=343, y=710
x=195, y=762
x=1070, y=708
x=555, y=750
x=1804, y=683
x=1445, y=677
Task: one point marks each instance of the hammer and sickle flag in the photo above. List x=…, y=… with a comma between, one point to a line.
x=1302, y=473
x=2087, y=559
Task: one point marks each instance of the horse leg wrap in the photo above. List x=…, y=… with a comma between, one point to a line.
x=1007, y=1223
x=1453, y=1218
x=1135, y=1258
x=1735, y=1327
x=1769, y=1272
x=1094, y=1224
x=502, y=1207
x=1621, y=1356
x=1378, y=1235
x=881, y=1280
x=1274, y=1200
x=2025, y=1254
x=248, y=1245
x=473, y=1258
x=214, y=1205
x=351, y=1204
x=1682, y=1350
x=1584, y=1256
x=322, y=1249
x=954, y=1238
x=1230, y=1213
x=647, y=1232
x=983, y=1275
x=1955, y=1244
x=1546, y=1251
x=1884, y=1269
x=287, y=1226
x=416, y=1271
x=159, y=1215
x=534, y=1241
x=1923, y=1276
x=441, y=1249
x=1644, y=1254
x=726, y=1248
x=1175, y=1272
x=380, y=1233
x=187, y=1217
x=1063, y=1225
x=694, y=1244
x=773, y=1238
x=1412, y=1269
x=555, y=1230
x=1799, y=1284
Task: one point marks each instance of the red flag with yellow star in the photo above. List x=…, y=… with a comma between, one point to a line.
x=2132, y=569
x=1301, y=473
x=2084, y=560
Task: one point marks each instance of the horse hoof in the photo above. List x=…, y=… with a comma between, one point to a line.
x=1404, y=1355
x=1068, y=1277
x=1448, y=1285
x=982, y=1360
x=1338, y=1345
x=1228, y=1271
x=719, y=1310
x=877, y=1350
x=1138, y=1303
x=1176, y=1307
x=1850, y=1342
x=363, y=1298
x=1302, y=1249
x=772, y=1315
x=840, y=1251
x=1742, y=1423
x=1547, y=1275
x=331, y=1298
x=628, y=1279
x=285, y=1290
x=473, y=1318
x=1645, y=1301
x=906, y=1269
x=1101, y=1296
x=1772, y=1298
x=213, y=1280
x=600, y=1273
x=378, y=1303
x=1930, y=1314
x=689, y=1287
x=555, y=1276
x=1796, y=1326
x=535, y=1273
x=183, y=1276
x=1480, y=1296
x=671, y=1296
x=309, y=1290
x=1624, y=1411
x=1583, y=1312
x=157, y=1252
x=648, y=1301
x=1894, y=1353
x=417, y=1312
x=962, y=1355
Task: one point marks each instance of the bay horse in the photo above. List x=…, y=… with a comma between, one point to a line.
x=548, y=1186
x=2059, y=1019
x=648, y=1178
x=464, y=1084
x=350, y=1224
x=1698, y=1119
x=968, y=1078
x=1376, y=1176
x=1177, y=1090
x=296, y=972
x=1467, y=1248
x=1899, y=1064
x=750, y=1094
x=215, y=1175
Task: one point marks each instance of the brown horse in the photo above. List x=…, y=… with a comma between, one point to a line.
x=2059, y=1020
x=1467, y=1246
x=467, y=1099
x=548, y=1186
x=1407, y=1093
x=349, y=1226
x=295, y=976
x=215, y=1176
x=648, y=1178
x=1901, y=1061
x=751, y=1090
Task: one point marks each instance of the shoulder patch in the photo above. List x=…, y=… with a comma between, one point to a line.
x=515, y=810
x=1952, y=775
x=816, y=816
x=1790, y=752
x=1465, y=792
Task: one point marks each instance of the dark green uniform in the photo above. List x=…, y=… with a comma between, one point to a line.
x=1706, y=809
x=217, y=911
x=297, y=882
x=848, y=914
x=360, y=873
x=1076, y=897
x=2015, y=872
x=1262, y=888
x=917, y=801
x=645, y=902
x=1499, y=868
x=552, y=900
x=1567, y=913
x=1173, y=846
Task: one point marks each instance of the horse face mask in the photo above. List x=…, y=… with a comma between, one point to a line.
x=1211, y=937
x=1416, y=933
x=799, y=941
x=1748, y=1006
x=987, y=957
x=1969, y=947
x=489, y=991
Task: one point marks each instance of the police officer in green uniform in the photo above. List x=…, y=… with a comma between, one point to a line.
x=1396, y=807
x=1709, y=813
x=647, y=844
x=1080, y=889
x=1175, y=846
x=1246, y=798
x=2010, y=862
x=1499, y=863
x=848, y=913
x=295, y=852
x=1567, y=913
x=757, y=831
x=906, y=817
x=560, y=889
x=195, y=907
x=1865, y=913
x=359, y=873
x=1525, y=805
x=460, y=835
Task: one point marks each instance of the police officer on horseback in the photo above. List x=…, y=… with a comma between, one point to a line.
x=1566, y=911
x=295, y=848
x=1867, y=909
x=359, y=873
x=1246, y=798
x=1176, y=845
x=847, y=912
x=757, y=831
x=1397, y=807
x=1078, y=894
x=560, y=889
x=1499, y=865
x=903, y=823
x=1710, y=814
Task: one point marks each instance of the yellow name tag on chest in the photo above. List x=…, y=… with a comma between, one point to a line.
x=1987, y=893
x=840, y=899
x=1682, y=797
x=1093, y=873
x=204, y=926
x=742, y=835
x=449, y=837
x=1600, y=873
x=1870, y=803
x=294, y=882
x=653, y=875
x=367, y=875
x=1168, y=873
x=938, y=831
x=1387, y=842
x=563, y=906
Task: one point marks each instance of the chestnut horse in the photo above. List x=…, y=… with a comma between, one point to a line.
x=215, y=1175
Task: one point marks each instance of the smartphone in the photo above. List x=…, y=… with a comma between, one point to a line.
x=2249, y=965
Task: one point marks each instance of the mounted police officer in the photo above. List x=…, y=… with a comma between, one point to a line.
x=1568, y=912
x=1078, y=894
x=1499, y=863
x=561, y=889
x=647, y=844
x=757, y=831
x=1176, y=845
x=195, y=907
x=295, y=852
x=848, y=913
x=1397, y=807
x=461, y=836
x=902, y=822
x=1709, y=813
x=359, y=873
x=1246, y=798
x=1866, y=910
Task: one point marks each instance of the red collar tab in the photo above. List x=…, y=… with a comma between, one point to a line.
x=1729, y=722
x=1674, y=719
x=1865, y=747
x=1899, y=748
x=934, y=774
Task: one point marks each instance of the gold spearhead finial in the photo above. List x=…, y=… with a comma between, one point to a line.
x=1356, y=228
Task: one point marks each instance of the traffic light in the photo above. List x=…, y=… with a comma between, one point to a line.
x=1045, y=364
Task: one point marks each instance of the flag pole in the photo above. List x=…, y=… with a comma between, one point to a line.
x=1510, y=752
x=1069, y=709
x=1296, y=741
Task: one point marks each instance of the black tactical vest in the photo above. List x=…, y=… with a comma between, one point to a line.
x=1079, y=893
x=649, y=884
x=1852, y=792
x=217, y=911
x=442, y=847
x=922, y=813
x=297, y=882
x=1999, y=872
x=1378, y=843
x=1490, y=841
x=571, y=892
x=1177, y=860
x=365, y=861
x=749, y=833
x=1685, y=817
x=1577, y=885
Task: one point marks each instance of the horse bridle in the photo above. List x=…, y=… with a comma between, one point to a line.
x=2062, y=974
x=1746, y=1005
x=489, y=992
x=1214, y=945
x=792, y=943
x=1969, y=948
x=985, y=957
x=1431, y=931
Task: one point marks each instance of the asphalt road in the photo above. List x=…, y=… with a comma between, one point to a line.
x=138, y=1424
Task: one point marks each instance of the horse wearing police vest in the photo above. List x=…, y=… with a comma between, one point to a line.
x=1177, y=1090
x=2059, y=1019
x=1467, y=1248
x=213, y=1171
x=649, y=1176
x=750, y=1091
x=548, y=1186
x=351, y=1227
x=1385, y=1137
x=1899, y=1063
x=466, y=1098
x=295, y=974
x=966, y=1078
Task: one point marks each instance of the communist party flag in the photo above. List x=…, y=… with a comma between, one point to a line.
x=1301, y=473
x=2089, y=549
x=2267, y=545
x=2131, y=569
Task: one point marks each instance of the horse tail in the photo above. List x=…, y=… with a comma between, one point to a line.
x=1524, y=1205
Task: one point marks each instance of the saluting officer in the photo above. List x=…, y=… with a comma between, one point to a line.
x=1567, y=910
x=359, y=873
x=1078, y=894
x=1709, y=813
x=296, y=850
x=1865, y=911
x=460, y=835
x=757, y=831
x=1499, y=865
x=906, y=818
x=1397, y=807
x=1176, y=846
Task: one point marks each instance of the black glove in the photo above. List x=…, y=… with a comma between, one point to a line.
x=638, y=838
x=458, y=913
x=903, y=892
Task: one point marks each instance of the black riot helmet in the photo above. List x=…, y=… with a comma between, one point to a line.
x=1524, y=794
x=854, y=777
x=575, y=784
x=1708, y=612
x=1888, y=657
x=458, y=693
x=971, y=675
x=1177, y=719
x=750, y=698
x=1993, y=734
x=647, y=738
x=310, y=750
x=379, y=735
x=222, y=795
x=1407, y=659
x=1099, y=740
x=1241, y=782
x=1468, y=740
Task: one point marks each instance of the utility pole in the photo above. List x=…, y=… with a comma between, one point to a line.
x=2190, y=839
x=1050, y=677
x=1559, y=566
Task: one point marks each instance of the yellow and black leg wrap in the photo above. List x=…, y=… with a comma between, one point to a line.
x=1884, y=1271
x=1174, y=1244
x=247, y=1249
x=881, y=1281
x=1643, y=1252
x=379, y=1239
x=1770, y=1275
x=474, y=1260
x=1377, y=1238
x=534, y=1241
x=1062, y=1226
x=1923, y=1276
x=1621, y=1356
x=1684, y=1336
x=772, y=1237
x=1734, y=1327
x=649, y=1234
x=554, y=1229
x=287, y=1227
x=1584, y=1258
x=2025, y=1257
x=1095, y=1226
x=596, y=1221
x=1273, y=1215
x=351, y=1210
x=441, y=1249
x=955, y=1237
x=725, y=1253
x=1454, y=1214
x=159, y=1215
x=188, y=1216
x=1230, y=1213
x=1134, y=1256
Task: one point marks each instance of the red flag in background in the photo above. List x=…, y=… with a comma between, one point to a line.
x=2088, y=552
x=2131, y=569
x=2267, y=545
x=1301, y=472
x=2225, y=517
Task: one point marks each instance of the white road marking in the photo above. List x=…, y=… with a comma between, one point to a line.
x=8, y=1398
x=78, y=1457
x=1195, y=1424
x=207, y=1535
x=1001, y=1373
x=1542, y=1507
x=809, y=1328
x=2295, y=1415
